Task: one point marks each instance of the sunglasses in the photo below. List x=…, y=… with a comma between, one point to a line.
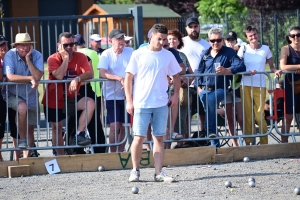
x=294, y=35
x=70, y=45
x=216, y=40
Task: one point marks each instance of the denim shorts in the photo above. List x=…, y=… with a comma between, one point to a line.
x=158, y=117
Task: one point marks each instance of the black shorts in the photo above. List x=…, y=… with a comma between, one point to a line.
x=195, y=99
x=11, y=120
x=289, y=99
x=120, y=111
x=50, y=114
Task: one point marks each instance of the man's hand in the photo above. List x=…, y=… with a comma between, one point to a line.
x=30, y=52
x=278, y=73
x=130, y=108
x=34, y=83
x=122, y=82
x=73, y=85
x=62, y=51
x=222, y=70
x=173, y=100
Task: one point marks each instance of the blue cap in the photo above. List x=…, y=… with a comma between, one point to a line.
x=79, y=39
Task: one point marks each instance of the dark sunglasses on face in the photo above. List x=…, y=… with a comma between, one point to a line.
x=216, y=40
x=69, y=44
x=294, y=35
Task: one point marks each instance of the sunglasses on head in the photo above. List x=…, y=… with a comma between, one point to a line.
x=294, y=35
x=216, y=40
x=69, y=44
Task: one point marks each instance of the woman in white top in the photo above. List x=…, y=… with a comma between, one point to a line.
x=255, y=57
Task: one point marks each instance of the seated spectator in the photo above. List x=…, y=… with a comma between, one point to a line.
x=67, y=65
x=23, y=64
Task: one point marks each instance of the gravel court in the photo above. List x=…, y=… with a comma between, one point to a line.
x=275, y=179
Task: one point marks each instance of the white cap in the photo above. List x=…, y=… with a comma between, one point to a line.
x=128, y=38
x=240, y=42
x=95, y=37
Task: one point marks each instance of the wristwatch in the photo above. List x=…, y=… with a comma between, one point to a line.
x=78, y=78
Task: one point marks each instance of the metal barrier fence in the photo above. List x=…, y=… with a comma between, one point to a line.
x=100, y=131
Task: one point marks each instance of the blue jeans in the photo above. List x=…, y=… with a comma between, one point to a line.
x=210, y=101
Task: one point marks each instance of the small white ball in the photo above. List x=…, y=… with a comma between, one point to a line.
x=135, y=190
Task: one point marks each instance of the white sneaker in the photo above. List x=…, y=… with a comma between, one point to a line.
x=163, y=177
x=134, y=176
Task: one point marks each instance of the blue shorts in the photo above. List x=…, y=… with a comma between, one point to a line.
x=120, y=111
x=158, y=117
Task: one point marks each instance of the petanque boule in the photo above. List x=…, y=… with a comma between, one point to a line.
x=135, y=190
x=251, y=179
x=251, y=184
x=228, y=184
x=246, y=159
x=101, y=168
x=297, y=191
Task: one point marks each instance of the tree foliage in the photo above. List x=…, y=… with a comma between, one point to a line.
x=271, y=5
x=218, y=8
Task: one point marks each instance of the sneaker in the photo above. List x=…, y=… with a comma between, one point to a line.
x=212, y=135
x=134, y=176
x=81, y=139
x=22, y=144
x=163, y=177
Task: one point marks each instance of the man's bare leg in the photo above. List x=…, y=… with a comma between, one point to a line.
x=57, y=139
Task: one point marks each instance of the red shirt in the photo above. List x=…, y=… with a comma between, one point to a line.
x=78, y=65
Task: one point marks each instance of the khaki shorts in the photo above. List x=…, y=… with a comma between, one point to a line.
x=33, y=113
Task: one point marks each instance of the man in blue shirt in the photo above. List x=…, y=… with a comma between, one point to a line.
x=23, y=64
x=213, y=89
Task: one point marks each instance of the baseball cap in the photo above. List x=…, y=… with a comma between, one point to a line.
x=3, y=39
x=128, y=38
x=231, y=35
x=192, y=20
x=95, y=37
x=79, y=39
x=116, y=33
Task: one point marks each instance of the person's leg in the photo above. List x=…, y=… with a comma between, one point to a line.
x=248, y=122
x=2, y=122
x=57, y=139
x=27, y=153
x=121, y=136
x=13, y=131
x=158, y=153
x=230, y=121
x=259, y=99
x=87, y=105
x=140, y=125
x=22, y=119
x=113, y=135
x=285, y=128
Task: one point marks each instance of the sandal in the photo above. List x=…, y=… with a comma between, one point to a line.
x=176, y=136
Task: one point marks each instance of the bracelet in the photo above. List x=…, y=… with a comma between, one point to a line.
x=78, y=77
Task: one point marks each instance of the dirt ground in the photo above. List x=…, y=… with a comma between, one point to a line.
x=275, y=179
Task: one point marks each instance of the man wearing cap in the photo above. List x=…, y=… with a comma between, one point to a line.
x=23, y=64
x=112, y=65
x=93, y=91
x=193, y=48
x=67, y=65
x=95, y=42
x=231, y=41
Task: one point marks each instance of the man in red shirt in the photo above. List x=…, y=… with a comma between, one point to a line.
x=67, y=65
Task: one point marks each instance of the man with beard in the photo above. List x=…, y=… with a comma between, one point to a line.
x=193, y=48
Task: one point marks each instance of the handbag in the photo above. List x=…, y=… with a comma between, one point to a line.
x=296, y=85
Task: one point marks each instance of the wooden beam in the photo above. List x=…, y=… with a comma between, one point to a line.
x=18, y=171
x=223, y=158
x=114, y=161
x=262, y=151
x=4, y=166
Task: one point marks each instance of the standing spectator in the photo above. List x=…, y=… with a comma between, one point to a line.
x=67, y=65
x=176, y=42
x=290, y=60
x=23, y=64
x=93, y=91
x=95, y=42
x=112, y=65
x=193, y=48
x=11, y=112
x=147, y=98
x=255, y=56
x=213, y=89
x=231, y=42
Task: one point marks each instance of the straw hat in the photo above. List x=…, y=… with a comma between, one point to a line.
x=22, y=38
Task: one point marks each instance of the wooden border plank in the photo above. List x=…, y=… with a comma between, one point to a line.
x=115, y=161
x=263, y=151
x=4, y=167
